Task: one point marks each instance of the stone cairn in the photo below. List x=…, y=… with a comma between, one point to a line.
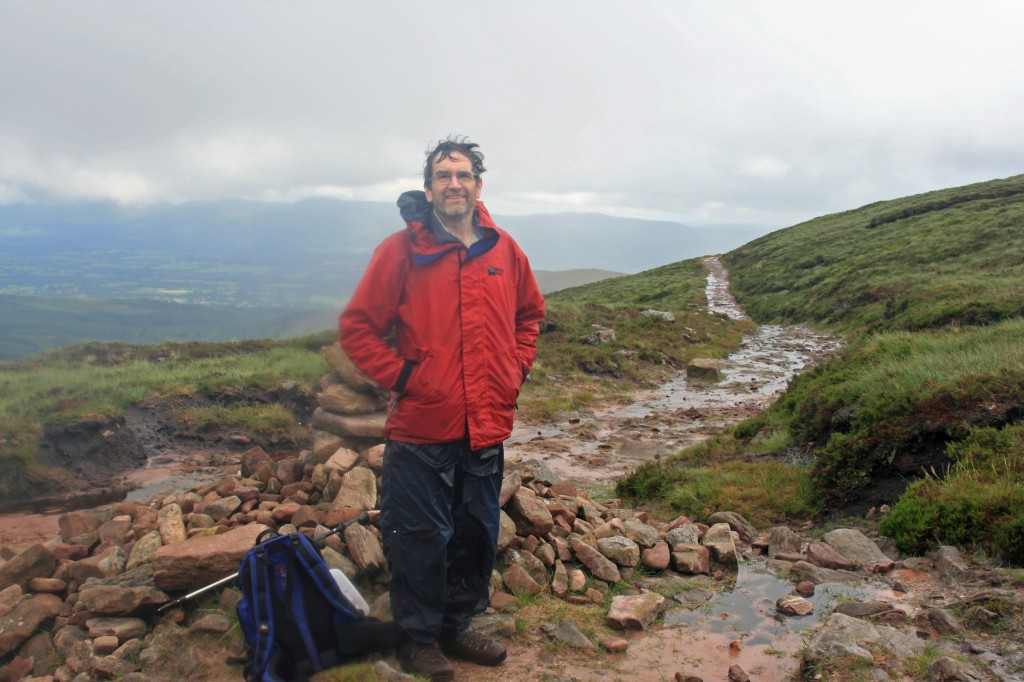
x=83, y=605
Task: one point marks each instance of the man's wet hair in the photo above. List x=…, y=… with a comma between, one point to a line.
x=453, y=145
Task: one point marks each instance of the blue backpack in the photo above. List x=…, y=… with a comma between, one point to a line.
x=293, y=614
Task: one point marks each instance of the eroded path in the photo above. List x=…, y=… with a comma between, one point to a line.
x=595, y=448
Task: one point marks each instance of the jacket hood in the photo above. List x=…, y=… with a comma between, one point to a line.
x=414, y=207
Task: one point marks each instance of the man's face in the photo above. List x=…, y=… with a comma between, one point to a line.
x=453, y=189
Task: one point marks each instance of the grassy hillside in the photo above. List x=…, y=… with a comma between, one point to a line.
x=949, y=258
x=928, y=291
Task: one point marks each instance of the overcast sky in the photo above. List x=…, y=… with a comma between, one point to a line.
x=701, y=112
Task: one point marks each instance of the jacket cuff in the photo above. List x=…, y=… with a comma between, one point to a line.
x=403, y=376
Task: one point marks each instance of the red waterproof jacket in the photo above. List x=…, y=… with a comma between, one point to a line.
x=464, y=324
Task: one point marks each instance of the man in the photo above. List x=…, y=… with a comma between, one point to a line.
x=457, y=296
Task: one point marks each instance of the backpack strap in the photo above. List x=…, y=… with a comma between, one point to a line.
x=263, y=610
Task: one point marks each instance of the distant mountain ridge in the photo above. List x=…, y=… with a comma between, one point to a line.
x=562, y=241
x=255, y=269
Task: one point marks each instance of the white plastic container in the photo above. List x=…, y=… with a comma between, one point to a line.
x=350, y=592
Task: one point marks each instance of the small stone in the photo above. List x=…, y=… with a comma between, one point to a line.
x=738, y=674
x=615, y=645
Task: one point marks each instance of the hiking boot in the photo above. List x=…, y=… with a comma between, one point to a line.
x=473, y=647
x=429, y=662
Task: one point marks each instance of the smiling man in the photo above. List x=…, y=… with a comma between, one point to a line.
x=447, y=317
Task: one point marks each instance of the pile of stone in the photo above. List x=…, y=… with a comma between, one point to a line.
x=350, y=406
x=88, y=598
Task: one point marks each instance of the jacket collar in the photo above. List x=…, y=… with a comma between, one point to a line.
x=426, y=233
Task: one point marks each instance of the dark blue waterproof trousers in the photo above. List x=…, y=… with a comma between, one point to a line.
x=439, y=519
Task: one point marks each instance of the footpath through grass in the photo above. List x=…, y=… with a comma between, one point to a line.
x=927, y=290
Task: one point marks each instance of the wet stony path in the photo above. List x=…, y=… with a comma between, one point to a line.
x=594, y=448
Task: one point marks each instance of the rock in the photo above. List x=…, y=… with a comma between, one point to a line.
x=35, y=562
x=121, y=628
x=342, y=460
x=660, y=315
x=782, y=540
x=510, y=485
x=818, y=575
x=822, y=554
x=646, y=536
x=347, y=371
x=203, y=560
x=79, y=528
x=718, y=539
x=358, y=425
x=506, y=530
x=855, y=546
x=254, y=461
x=541, y=472
x=738, y=674
x=736, y=522
x=375, y=457
x=342, y=399
x=703, y=368
x=27, y=617
x=358, y=490
x=598, y=337
x=215, y=623
x=691, y=559
x=657, y=558
x=634, y=612
x=560, y=581
x=222, y=508
x=792, y=605
x=844, y=636
x=519, y=581
x=684, y=534
x=805, y=588
x=128, y=594
x=529, y=513
x=599, y=566
x=365, y=549
x=946, y=668
x=144, y=549
x=614, y=645
x=950, y=563
x=940, y=620
x=620, y=550
x=117, y=531
x=533, y=566
x=569, y=633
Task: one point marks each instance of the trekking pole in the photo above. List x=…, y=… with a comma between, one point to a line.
x=319, y=541
x=190, y=595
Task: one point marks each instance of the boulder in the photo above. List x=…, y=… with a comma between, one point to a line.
x=365, y=549
x=26, y=618
x=691, y=558
x=620, y=549
x=132, y=593
x=171, y=525
x=203, y=560
x=35, y=562
x=783, y=540
x=718, y=539
x=343, y=399
x=529, y=513
x=704, y=368
x=347, y=371
x=634, y=612
x=79, y=528
x=357, y=425
x=599, y=566
x=855, y=546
